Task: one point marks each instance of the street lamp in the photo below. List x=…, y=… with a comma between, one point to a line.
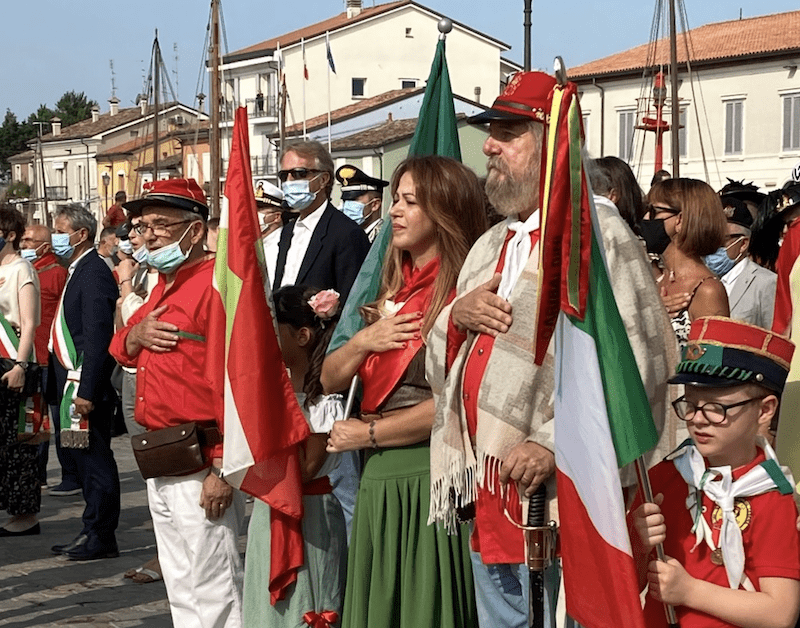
x=106, y=181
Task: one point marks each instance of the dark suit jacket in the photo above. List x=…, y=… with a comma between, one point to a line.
x=333, y=257
x=89, y=301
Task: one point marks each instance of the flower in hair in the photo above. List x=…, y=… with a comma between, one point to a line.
x=325, y=304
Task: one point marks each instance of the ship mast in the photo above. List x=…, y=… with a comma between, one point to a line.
x=216, y=162
x=673, y=75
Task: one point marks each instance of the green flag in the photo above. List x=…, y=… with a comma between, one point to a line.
x=436, y=134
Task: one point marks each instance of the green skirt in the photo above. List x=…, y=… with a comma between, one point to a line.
x=401, y=572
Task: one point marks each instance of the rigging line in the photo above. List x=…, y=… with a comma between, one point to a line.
x=201, y=75
x=689, y=46
x=223, y=29
x=646, y=83
x=685, y=20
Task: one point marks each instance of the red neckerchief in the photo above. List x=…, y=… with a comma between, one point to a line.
x=381, y=372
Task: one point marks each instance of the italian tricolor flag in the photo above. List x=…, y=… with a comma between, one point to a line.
x=602, y=416
x=263, y=421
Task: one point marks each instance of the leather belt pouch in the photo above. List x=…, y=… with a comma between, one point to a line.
x=169, y=451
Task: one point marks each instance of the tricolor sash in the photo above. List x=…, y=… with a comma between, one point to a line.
x=381, y=372
x=74, y=427
x=32, y=414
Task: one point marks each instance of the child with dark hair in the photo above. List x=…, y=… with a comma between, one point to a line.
x=306, y=318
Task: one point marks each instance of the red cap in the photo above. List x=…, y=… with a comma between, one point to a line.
x=528, y=96
x=179, y=193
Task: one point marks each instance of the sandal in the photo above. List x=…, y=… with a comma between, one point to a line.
x=146, y=576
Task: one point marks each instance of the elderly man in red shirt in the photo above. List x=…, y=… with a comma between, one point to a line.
x=196, y=514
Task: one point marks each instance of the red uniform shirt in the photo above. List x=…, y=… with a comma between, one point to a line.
x=171, y=387
x=114, y=217
x=769, y=534
x=494, y=536
x=52, y=277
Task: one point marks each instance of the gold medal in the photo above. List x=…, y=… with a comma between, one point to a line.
x=716, y=557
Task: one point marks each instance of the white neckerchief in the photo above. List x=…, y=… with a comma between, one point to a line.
x=723, y=492
x=517, y=252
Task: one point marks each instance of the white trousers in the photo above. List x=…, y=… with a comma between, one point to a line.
x=199, y=558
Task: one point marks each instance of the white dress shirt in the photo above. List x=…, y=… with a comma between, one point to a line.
x=301, y=238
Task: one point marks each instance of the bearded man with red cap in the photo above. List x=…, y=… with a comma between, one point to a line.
x=492, y=438
x=196, y=514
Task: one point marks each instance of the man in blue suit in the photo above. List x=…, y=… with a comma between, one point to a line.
x=80, y=376
x=322, y=247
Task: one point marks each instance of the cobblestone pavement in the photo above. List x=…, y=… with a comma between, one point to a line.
x=38, y=589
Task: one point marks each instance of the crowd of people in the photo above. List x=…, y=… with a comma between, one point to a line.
x=412, y=504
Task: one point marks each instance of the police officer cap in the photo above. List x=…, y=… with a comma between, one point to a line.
x=356, y=182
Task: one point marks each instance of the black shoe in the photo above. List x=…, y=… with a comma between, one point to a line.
x=93, y=551
x=76, y=542
x=65, y=490
x=36, y=529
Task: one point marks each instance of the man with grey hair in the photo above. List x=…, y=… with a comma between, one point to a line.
x=79, y=381
x=321, y=247
x=750, y=287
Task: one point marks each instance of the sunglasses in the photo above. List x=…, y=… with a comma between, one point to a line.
x=297, y=173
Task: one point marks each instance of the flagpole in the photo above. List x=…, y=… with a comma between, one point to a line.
x=647, y=497
x=327, y=49
x=305, y=78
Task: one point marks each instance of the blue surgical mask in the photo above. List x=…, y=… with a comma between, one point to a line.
x=718, y=262
x=28, y=254
x=62, y=246
x=297, y=193
x=140, y=254
x=126, y=247
x=354, y=211
x=168, y=258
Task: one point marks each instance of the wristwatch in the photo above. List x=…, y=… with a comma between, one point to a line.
x=216, y=471
x=24, y=365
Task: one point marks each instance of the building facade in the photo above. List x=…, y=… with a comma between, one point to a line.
x=739, y=108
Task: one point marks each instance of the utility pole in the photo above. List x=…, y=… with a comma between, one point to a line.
x=527, y=35
x=216, y=162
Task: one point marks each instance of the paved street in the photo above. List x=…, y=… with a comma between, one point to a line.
x=42, y=590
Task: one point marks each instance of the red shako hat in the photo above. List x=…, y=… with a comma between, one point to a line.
x=723, y=352
x=528, y=96
x=178, y=193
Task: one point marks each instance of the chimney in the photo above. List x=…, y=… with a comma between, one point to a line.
x=477, y=93
x=390, y=117
x=95, y=113
x=143, y=105
x=55, y=121
x=353, y=8
x=114, y=105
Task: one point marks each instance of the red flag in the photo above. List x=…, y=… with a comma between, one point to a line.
x=263, y=421
x=566, y=231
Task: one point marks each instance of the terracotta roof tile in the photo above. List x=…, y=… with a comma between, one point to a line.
x=386, y=133
x=713, y=42
x=354, y=109
x=331, y=24
x=106, y=122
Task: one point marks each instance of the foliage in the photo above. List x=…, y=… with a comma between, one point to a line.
x=18, y=189
x=13, y=139
x=73, y=107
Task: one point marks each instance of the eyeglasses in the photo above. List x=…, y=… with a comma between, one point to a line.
x=159, y=230
x=714, y=412
x=297, y=173
x=736, y=236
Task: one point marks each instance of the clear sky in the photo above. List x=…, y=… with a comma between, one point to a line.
x=59, y=46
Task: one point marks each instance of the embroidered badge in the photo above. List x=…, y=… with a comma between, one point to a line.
x=741, y=510
x=346, y=174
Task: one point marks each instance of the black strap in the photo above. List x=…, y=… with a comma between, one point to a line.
x=283, y=250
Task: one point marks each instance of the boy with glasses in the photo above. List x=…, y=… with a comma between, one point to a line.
x=723, y=507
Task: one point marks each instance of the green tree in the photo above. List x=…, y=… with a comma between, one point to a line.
x=43, y=114
x=73, y=107
x=13, y=139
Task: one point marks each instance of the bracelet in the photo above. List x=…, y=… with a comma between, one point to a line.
x=124, y=280
x=372, y=434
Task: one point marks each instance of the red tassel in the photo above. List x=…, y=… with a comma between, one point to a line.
x=325, y=619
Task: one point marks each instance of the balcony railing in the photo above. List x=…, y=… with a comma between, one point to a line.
x=57, y=192
x=264, y=165
x=261, y=107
